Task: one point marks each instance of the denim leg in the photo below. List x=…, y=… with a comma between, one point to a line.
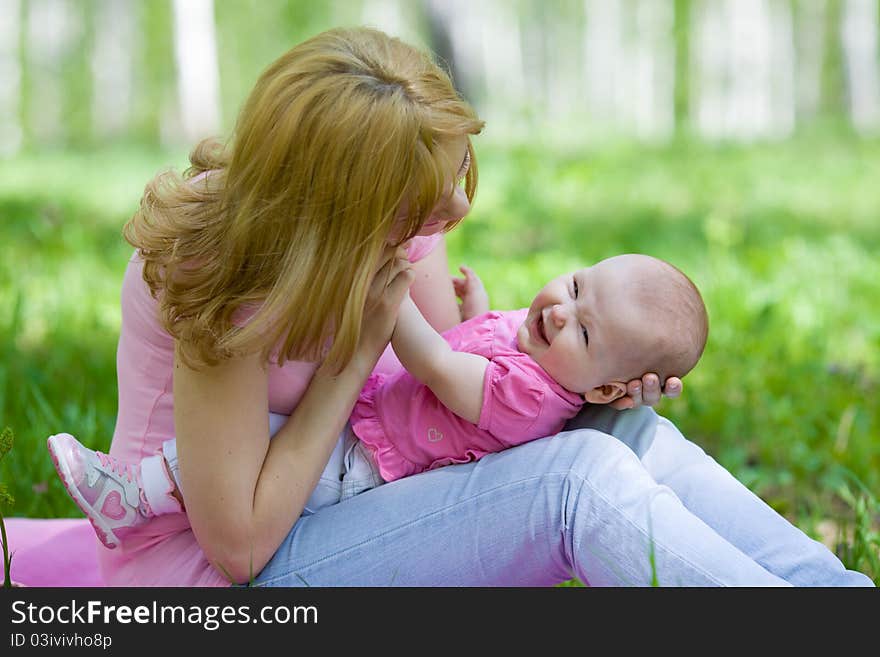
x=577, y=504
x=714, y=495
x=744, y=519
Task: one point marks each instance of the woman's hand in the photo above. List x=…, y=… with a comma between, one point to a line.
x=389, y=286
x=646, y=391
x=473, y=295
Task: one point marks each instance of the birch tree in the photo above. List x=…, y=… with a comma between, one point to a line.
x=629, y=64
x=198, y=76
x=810, y=45
x=10, y=78
x=502, y=55
x=390, y=16
x=653, y=70
x=53, y=28
x=457, y=43
x=743, y=63
x=112, y=66
x=859, y=36
x=603, y=58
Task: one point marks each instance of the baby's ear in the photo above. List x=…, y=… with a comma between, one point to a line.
x=605, y=394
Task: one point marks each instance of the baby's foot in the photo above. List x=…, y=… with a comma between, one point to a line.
x=107, y=491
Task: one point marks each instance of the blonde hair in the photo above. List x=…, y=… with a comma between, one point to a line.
x=291, y=221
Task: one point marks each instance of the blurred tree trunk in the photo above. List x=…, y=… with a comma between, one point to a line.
x=630, y=65
x=744, y=68
x=388, y=15
x=53, y=28
x=783, y=63
x=709, y=80
x=810, y=47
x=603, y=58
x=242, y=60
x=747, y=103
x=683, y=33
x=10, y=78
x=652, y=102
x=198, y=75
x=76, y=78
x=448, y=33
x=560, y=56
x=502, y=54
x=859, y=35
x=115, y=41
x=154, y=95
x=833, y=99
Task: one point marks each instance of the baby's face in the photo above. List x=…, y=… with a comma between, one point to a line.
x=579, y=327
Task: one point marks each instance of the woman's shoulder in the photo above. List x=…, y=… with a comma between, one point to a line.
x=134, y=287
x=140, y=309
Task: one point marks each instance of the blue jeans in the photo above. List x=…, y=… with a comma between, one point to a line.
x=618, y=499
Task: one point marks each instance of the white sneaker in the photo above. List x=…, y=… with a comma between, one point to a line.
x=108, y=491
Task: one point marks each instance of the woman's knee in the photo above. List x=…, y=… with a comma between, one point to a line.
x=605, y=484
x=634, y=427
x=600, y=459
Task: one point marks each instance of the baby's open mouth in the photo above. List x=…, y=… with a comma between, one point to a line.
x=539, y=325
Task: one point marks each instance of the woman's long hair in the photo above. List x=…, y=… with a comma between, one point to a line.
x=272, y=242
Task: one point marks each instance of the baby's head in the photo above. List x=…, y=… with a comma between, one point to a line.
x=597, y=328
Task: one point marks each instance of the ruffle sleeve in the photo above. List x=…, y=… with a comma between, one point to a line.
x=520, y=403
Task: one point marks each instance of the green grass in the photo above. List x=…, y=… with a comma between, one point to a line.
x=781, y=239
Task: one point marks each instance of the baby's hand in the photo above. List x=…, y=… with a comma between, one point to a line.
x=474, y=298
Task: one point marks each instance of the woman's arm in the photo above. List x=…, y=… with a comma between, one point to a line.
x=647, y=391
x=244, y=494
x=455, y=377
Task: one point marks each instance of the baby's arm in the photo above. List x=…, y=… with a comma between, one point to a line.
x=454, y=376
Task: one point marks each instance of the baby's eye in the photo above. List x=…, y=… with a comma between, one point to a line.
x=574, y=281
x=586, y=337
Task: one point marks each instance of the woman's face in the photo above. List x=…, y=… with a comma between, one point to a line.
x=452, y=207
x=455, y=207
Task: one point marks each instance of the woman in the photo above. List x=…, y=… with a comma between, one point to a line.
x=269, y=280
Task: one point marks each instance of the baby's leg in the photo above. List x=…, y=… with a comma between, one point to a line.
x=117, y=496
x=111, y=494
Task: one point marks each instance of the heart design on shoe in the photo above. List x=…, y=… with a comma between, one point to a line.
x=112, y=507
x=434, y=435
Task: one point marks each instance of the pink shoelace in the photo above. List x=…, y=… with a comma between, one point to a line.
x=112, y=464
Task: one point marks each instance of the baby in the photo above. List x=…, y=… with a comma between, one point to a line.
x=496, y=380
